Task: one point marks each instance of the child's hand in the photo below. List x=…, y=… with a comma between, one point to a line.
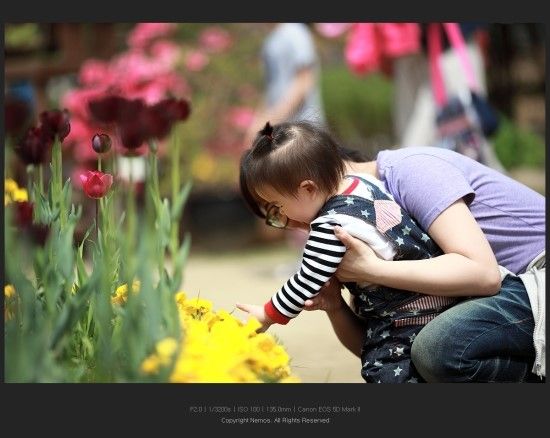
x=259, y=313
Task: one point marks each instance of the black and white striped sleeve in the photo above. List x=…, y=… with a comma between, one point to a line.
x=322, y=255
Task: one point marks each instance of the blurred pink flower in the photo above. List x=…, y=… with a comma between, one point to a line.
x=94, y=72
x=165, y=52
x=240, y=117
x=332, y=30
x=134, y=66
x=143, y=33
x=215, y=39
x=152, y=91
x=196, y=60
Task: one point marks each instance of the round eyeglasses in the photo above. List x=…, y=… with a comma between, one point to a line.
x=274, y=217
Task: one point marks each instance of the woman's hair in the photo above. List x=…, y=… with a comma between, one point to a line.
x=284, y=155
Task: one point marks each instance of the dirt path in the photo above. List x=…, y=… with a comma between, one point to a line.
x=252, y=277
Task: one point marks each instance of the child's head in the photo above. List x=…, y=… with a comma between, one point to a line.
x=295, y=166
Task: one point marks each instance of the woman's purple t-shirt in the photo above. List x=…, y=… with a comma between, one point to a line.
x=427, y=180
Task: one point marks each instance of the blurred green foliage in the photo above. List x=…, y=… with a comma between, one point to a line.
x=357, y=108
x=516, y=147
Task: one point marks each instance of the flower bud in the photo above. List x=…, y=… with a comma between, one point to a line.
x=101, y=143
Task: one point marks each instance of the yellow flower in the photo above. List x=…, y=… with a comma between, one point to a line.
x=7, y=199
x=121, y=292
x=10, y=185
x=20, y=195
x=74, y=288
x=203, y=167
x=9, y=291
x=217, y=347
x=197, y=307
x=150, y=365
x=180, y=298
x=165, y=350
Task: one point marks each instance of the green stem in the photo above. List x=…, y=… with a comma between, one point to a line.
x=97, y=221
x=156, y=193
x=175, y=162
x=57, y=183
x=155, y=173
x=41, y=178
x=30, y=180
x=99, y=163
x=131, y=217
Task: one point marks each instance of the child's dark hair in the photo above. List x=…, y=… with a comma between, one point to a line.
x=284, y=155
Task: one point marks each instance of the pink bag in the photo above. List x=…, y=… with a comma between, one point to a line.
x=362, y=51
x=399, y=39
x=372, y=46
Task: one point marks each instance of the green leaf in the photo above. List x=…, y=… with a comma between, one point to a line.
x=180, y=200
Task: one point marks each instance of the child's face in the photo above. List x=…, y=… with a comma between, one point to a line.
x=300, y=207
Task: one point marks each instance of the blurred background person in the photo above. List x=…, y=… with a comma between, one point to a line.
x=291, y=73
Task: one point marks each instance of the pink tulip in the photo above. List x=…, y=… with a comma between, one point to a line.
x=96, y=184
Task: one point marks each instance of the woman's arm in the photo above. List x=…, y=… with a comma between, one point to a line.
x=468, y=266
x=349, y=329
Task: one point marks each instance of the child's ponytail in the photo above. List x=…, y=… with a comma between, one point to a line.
x=264, y=141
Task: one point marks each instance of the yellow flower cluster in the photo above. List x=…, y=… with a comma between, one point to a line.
x=218, y=348
x=9, y=297
x=14, y=193
x=121, y=292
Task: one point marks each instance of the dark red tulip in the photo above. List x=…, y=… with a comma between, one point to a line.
x=156, y=122
x=106, y=109
x=130, y=110
x=101, y=143
x=96, y=184
x=162, y=115
x=34, y=147
x=24, y=221
x=175, y=109
x=133, y=134
x=23, y=213
x=56, y=122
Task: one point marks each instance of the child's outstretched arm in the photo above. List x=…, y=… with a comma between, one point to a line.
x=322, y=255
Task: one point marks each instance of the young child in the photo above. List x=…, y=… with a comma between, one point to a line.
x=297, y=168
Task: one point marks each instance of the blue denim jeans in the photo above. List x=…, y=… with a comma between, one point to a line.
x=487, y=339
